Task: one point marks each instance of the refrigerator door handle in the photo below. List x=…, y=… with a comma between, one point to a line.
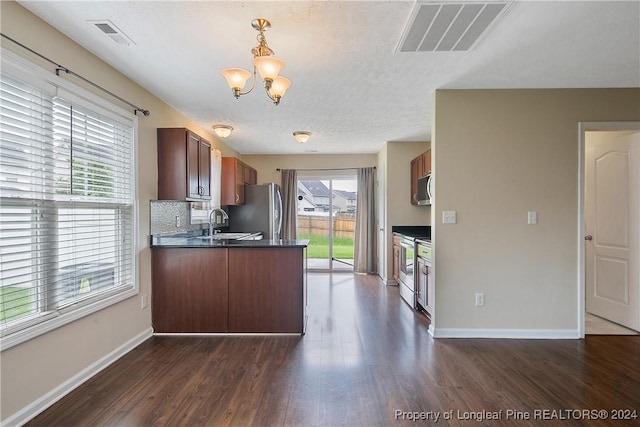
x=281, y=214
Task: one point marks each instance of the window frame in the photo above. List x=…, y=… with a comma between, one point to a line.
x=28, y=72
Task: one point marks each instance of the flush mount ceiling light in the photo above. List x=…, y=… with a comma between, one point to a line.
x=301, y=136
x=267, y=65
x=222, y=131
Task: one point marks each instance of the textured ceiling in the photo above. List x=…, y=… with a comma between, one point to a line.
x=351, y=88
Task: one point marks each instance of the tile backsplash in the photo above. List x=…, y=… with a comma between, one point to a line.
x=166, y=214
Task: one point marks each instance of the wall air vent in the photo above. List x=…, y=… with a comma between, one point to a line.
x=449, y=27
x=107, y=27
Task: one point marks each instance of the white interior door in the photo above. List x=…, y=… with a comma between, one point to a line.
x=612, y=216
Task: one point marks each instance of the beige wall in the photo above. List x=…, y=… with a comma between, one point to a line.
x=267, y=164
x=34, y=368
x=395, y=158
x=497, y=155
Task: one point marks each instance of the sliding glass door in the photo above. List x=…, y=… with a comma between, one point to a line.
x=326, y=216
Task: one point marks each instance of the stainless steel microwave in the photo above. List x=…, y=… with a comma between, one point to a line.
x=425, y=190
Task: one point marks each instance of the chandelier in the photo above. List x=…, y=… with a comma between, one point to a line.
x=263, y=62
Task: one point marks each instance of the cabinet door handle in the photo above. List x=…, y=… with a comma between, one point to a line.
x=237, y=198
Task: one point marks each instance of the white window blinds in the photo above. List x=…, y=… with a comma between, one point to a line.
x=66, y=205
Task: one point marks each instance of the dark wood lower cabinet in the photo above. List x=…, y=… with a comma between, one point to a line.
x=266, y=290
x=189, y=292
x=238, y=290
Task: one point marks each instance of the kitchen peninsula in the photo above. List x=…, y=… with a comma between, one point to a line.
x=228, y=286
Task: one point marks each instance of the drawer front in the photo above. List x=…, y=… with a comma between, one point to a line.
x=424, y=251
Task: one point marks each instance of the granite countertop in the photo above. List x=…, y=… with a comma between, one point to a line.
x=170, y=241
x=414, y=231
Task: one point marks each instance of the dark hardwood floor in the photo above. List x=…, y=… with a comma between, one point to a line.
x=365, y=357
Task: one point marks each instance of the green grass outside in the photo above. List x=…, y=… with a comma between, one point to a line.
x=319, y=247
x=14, y=302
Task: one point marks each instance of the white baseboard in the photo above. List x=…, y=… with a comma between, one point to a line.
x=555, y=334
x=30, y=411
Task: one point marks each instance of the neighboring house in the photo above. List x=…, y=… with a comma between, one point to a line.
x=346, y=200
x=304, y=203
x=316, y=194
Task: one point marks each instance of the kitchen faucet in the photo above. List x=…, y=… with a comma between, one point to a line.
x=225, y=217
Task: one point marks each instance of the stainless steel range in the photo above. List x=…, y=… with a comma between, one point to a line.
x=407, y=261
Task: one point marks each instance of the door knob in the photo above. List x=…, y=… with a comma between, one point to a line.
x=588, y=237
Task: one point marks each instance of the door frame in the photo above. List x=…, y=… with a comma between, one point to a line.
x=583, y=128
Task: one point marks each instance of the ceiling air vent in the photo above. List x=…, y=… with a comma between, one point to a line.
x=449, y=27
x=115, y=33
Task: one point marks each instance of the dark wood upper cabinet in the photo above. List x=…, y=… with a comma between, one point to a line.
x=426, y=162
x=235, y=174
x=184, y=165
x=420, y=166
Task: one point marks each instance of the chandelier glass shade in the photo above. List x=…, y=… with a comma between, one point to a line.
x=264, y=63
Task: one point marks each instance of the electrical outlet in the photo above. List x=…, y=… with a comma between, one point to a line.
x=532, y=217
x=177, y=221
x=448, y=217
x=479, y=299
x=143, y=302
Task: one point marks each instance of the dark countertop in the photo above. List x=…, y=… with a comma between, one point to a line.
x=193, y=242
x=424, y=241
x=415, y=231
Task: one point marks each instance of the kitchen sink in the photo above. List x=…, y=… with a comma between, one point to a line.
x=233, y=236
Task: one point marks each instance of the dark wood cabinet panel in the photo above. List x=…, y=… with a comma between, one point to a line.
x=236, y=290
x=189, y=292
x=204, y=169
x=420, y=166
x=232, y=191
x=193, y=165
x=416, y=164
x=184, y=165
x=396, y=259
x=235, y=174
x=266, y=292
x=426, y=162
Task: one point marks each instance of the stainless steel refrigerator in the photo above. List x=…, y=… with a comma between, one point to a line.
x=262, y=211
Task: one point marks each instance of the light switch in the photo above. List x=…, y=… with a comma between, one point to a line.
x=448, y=217
x=532, y=217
